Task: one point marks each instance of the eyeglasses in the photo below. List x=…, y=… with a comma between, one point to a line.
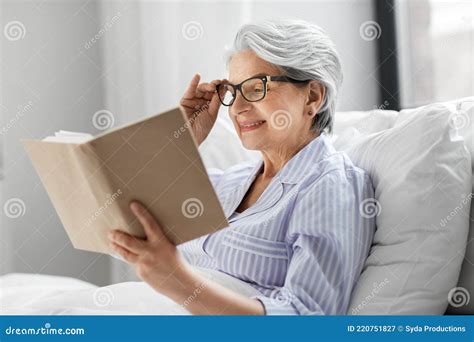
x=252, y=89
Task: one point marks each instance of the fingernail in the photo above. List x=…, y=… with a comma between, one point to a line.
x=134, y=206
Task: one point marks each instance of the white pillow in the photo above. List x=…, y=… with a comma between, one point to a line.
x=365, y=122
x=462, y=298
x=421, y=171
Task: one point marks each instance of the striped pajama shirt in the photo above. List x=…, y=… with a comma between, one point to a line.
x=303, y=243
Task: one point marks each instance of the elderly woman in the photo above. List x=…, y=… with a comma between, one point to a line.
x=295, y=231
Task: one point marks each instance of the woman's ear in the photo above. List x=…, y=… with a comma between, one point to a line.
x=316, y=93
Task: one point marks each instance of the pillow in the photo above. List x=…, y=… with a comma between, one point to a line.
x=364, y=122
x=461, y=302
x=421, y=171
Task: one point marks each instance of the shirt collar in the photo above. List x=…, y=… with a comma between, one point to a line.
x=301, y=163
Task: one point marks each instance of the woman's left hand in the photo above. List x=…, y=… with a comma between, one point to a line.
x=155, y=258
x=157, y=262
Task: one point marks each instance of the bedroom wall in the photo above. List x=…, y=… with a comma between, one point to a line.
x=49, y=82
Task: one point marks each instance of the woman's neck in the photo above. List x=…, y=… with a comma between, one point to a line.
x=276, y=158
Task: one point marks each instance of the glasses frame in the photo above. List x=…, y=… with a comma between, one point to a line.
x=265, y=79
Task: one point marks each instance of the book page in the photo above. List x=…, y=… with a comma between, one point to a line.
x=69, y=137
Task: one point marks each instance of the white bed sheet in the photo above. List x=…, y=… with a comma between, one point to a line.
x=32, y=294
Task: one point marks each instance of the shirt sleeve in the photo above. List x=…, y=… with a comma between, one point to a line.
x=329, y=242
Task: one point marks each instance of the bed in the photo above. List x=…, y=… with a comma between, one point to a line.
x=422, y=257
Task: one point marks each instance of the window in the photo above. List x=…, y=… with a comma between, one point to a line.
x=434, y=50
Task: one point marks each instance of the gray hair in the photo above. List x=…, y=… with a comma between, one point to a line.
x=302, y=51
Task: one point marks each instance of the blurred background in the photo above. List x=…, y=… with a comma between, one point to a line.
x=64, y=61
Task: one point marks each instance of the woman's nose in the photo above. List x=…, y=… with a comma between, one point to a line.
x=240, y=105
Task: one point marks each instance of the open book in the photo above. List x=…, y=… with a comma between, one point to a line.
x=92, y=180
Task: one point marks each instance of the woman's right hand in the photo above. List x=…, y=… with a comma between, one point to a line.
x=201, y=104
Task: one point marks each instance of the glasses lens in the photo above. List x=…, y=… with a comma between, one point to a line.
x=226, y=94
x=253, y=89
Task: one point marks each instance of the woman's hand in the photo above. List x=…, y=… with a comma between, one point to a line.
x=155, y=258
x=158, y=263
x=201, y=104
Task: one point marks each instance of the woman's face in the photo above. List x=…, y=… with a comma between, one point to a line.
x=281, y=117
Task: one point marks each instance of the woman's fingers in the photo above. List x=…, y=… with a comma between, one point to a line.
x=214, y=105
x=207, y=90
x=212, y=89
x=208, y=96
x=201, y=94
x=191, y=90
x=125, y=253
x=207, y=87
x=132, y=243
x=192, y=104
x=200, y=90
x=152, y=229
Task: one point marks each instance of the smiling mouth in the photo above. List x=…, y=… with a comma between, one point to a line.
x=252, y=125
